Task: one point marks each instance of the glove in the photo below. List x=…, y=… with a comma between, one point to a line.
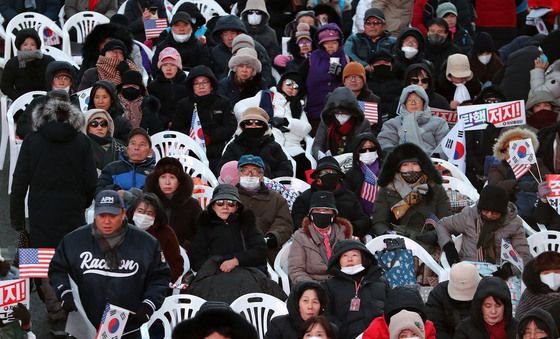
x=528, y=186
x=22, y=314
x=280, y=123
x=335, y=69
x=543, y=190
x=271, y=240
x=429, y=237
x=142, y=315
x=451, y=253
x=123, y=67
x=68, y=303
x=504, y=272
x=282, y=60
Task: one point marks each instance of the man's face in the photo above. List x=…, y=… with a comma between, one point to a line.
x=61, y=81
x=228, y=36
x=181, y=27
x=490, y=215
x=115, y=54
x=244, y=72
x=251, y=171
x=108, y=223
x=354, y=82
x=138, y=149
x=373, y=27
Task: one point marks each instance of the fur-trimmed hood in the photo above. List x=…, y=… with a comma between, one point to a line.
x=407, y=151
x=342, y=222
x=56, y=109
x=521, y=133
x=184, y=190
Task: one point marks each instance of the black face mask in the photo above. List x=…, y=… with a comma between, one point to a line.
x=329, y=181
x=322, y=220
x=382, y=71
x=130, y=93
x=411, y=177
x=254, y=132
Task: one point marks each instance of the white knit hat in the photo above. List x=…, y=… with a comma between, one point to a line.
x=246, y=56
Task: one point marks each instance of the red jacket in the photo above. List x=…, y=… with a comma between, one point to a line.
x=417, y=20
x=496, y=13
x=378, y=329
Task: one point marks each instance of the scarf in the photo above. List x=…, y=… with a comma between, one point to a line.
x=497, y=331
x=368, y=194
x=487, y=238
x=326, y=234
x=453, y=30
x=107, y=69
x=337, y=135
x=411, y=131
x=461, y=93
x=26, y=56
x=109, y=244
x=411, y=194
x=132, y=110
x=106, y=140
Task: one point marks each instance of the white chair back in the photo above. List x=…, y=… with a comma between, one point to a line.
x=196, y=168
x=59, y=55
x=208, y=8
x=463, y=187
x=293, y=184
x=83, y=23
x=174, y=144
x=259, y=309
x=122, y=7
x=4, y=136
x=203, y=197
x=455, y=171
x=175, y=309
x=544, y=241
x=4, y=37
x=281, y=266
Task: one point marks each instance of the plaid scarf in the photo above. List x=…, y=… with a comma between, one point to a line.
x=410, y=193
x=107, y=69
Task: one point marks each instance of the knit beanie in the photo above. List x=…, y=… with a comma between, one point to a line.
x=354, y=68
x=114, y=44
x=246, y=56
x=255, y=113
x=445, y=8
x=323, y=199
x=458, y=66
x=483, y=42
x=493, y=198
x=406, y=320
x=242, y=41
x=169, y=55
x=132, y=77
x=303, y=32
x=229, y=173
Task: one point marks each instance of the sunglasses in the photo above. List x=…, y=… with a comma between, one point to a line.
x=291, y=83
x=97, y=123
x=253, y=122
x=229, y=203
x=415, y=81
x=369, y=149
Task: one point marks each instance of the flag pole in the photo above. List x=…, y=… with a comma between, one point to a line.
x=538, y=182
x=539, y=170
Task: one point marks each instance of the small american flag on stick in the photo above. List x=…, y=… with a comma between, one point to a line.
x=370, y=111
x=34, y=262
x=369, y=187
x=154, y=27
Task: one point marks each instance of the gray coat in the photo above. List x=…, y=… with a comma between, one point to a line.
x=105, y=7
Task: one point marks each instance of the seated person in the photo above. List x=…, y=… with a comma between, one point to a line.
x=100, y=128
x=103, y=95
x=537, y=323
x=458, y=83
x=406, y=324
x=421, y=74
x=318, y=327
x=540, y=110
x=314, y=241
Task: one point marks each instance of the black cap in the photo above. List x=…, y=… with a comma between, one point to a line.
x=376, y=12
x=323, y=199
x=114, y=44
x=380, y=55
x=225, y=192
x=182, y=16
x=108, y=201
x=327, y=163
x=132, y=77
x=493, y=198
x=141, y=131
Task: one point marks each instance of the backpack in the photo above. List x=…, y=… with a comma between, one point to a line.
x=397, y=263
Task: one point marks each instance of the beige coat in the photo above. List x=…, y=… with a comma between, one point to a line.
x=398, y=13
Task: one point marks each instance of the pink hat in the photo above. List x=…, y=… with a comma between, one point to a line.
x=229, y=173
x=169, y=55
x=328, y=35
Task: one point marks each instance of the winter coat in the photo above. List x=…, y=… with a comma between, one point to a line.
x=346, y=202
x=105, y=7
x=229, y=89
x=547, y=80
x=536, y=294
x=360, y=48
x=133, y=11
x=17, y=81
x=272, y=214
x=170, y=252
x=397, y=13
x=123, y=174
x=141, y=280
x=105, y=150
x=462, y=39
x=474, y=326
x=150, y=114
x=168, y=92
x=388, y=90
x=438, y=54
x=122, y=125
x=401, y=63
x=298, y=128
x=547, y=138
x=341, y=99
x=485, y=73
x=307, y=258
x=429, y=128
x=239, y=239
x=444, y=312
x=192, y=51
x=514, y=79
x=502, y=175
x=262, y=32
x=11, y=8
x=446, y=88
x=468, y=223
x=545, y=318
x=341, y=288
x=56, y=164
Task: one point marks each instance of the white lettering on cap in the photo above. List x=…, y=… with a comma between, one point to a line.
x=107, y=200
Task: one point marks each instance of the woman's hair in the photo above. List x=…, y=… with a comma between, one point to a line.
x=152, y=200
x=324, y=322
x=547, y=261
x=540, y=325
x=496, y=300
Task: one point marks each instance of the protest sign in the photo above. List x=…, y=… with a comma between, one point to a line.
x=12, y=292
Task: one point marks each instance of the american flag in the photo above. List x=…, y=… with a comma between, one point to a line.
x=520, y=169
x=370, y=111
x=154, y=27
x=369, y=187
x=34, y=262
x=196, y=132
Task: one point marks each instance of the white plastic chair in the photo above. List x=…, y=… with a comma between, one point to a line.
x=83, y=23
x=259, y=309
x=463, y=187
x=196, y=168
x=377, y=244
x=281, y=267
x=59, y=55
x=122, y=8
x=544, y=241
x=208, y=8
x=308, y=146
x=203, y=197
x=173, y=144
x=293, y=184
x=273, y=275
x=78, y=323
x=4, y=37
x=4, y=136
x=455, y=171
x=175, y=309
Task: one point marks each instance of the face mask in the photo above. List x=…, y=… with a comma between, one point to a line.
x=143, y=221
x=342, y=118
x=254, y=19
x=436, y=39
x=180, y=38
x=254, y=132
x=65, y=89
x=409, y=52
x=368, y=158
x=351, y=270
x=130, y=93
x=382, y=71
x=322, y=220
x=411, y=177
x=552, y=280
x=484, y=58
x=543, y=118
x=329, y=181
x=249, y=183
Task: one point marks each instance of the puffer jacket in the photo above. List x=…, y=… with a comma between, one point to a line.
x=307, y=259
x=468, y=223
x=169, y=92
x=123, y=174
x=424, y=129
x=445, y=312
x=20, y=80
x=192, y=51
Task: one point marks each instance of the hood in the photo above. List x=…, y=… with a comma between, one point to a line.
x=57, y=110
x=25, y=33
x=228, y=22
x=410, y=31
x=403, y=298
x=201, y=70
x=173, y=166
x=490, y=286
x=55, y=67
x=368, y=259
x=359, y=141
x=342, y=98
x=89, y=114
x=420, y=92
x=536, y=98
x=116, y=107
x=100, y=33
x=545, y=319
x=424, y=66
x=407, y=151
x=295, y=294
x=509, y=134
x=258, y=5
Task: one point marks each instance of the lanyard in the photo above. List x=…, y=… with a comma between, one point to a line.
x=357, y=286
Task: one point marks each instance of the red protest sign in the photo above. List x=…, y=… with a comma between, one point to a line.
x=449, y=116
x=507, y=114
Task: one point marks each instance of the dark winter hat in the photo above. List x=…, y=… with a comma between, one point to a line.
x=23, y=34
x=323, y=199
x=483, y=42
x=225, y=192
x=169, y=165
x=354, y=68
x=543, y=319
x=132, y=77
x=403, y=298
x=493, y=198
x=197, y=17
x=114, y=44
x=141, y=131
x=59, y=67
x=250, y=159
x=327, y=163
x=119, y=19
x=549, y=46
x=375, y=12
x=108, y=202
x=380, y=55
x=183, y=17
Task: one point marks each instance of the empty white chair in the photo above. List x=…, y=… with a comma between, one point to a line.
x=174, y=144
x=196, y=168
x=281, y=266
x=544, y=241
x=293, y=184
x=259, y=309
x=83, y=23
x=204, y=196
x=59, y=55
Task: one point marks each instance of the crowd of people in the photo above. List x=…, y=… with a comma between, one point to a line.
x=286, y=89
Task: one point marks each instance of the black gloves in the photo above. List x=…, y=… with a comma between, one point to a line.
x=429, y=237
x=335, y=69
x=22, y=314
x=142, y=315
x=271, y=240
x=123, y=67
x=68, y=303
x=280, y=123
x=504, y=272
x=451, y=253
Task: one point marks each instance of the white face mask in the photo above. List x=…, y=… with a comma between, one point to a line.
x=342, y=118
x=254, y=19
x=249, y=183
x=368, y=158
x=552, y=280
x=351, y=270
x=180, y=38
x=484, y=58
x=65, y=89
x=409, y=52
x=143, y=221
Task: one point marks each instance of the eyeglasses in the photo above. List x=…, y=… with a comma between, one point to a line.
x=368, y=149
x=291, y=83
x=253, y=122
x=250, y=172
x=63, y=77
x=229, y=203
x=373, y=23
x=201, y=83
x=97, y=123
x=415, y=81
x=304, y=42
x=413, y=101
x=354, y=77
